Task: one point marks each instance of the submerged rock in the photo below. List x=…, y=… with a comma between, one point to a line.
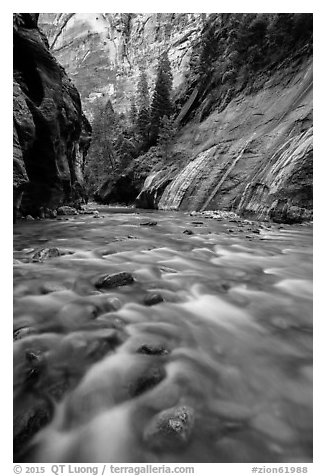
x=28, y=422
x=65, y=210
x=153, y=349
x=153, y=299
x=48, y=213
x=109, y=281
x=149, y=223
x=188, y=232
x=44, y=254
x=147, y=380
x=170, y=429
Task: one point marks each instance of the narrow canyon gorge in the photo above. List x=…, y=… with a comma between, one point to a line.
x=163, y=207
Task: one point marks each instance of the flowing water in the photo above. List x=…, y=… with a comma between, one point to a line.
x=95, y=371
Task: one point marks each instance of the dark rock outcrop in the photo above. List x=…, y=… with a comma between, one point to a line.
x=122, y=190
x=51, y=135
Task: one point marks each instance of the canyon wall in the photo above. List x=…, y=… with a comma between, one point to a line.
x=243, y=145
x=102, y=52
x=254, y=157
x=51, y=134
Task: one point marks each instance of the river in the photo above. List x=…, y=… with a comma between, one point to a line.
x=205, y=357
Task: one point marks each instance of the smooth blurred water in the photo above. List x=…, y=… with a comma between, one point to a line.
x=236, y=323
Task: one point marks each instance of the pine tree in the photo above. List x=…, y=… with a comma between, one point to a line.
x=161, y=104
x=143, y=117
x=101, y=159
x=133, y=113
x=166, y=134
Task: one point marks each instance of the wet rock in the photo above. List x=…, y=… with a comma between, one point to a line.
x=149, y=223
x=153, y=299
x=44, y=254
x=256, y=230
x=112, y=321
x=48, y=124
x=48, y=288
x=188, y=232
x=65, y=210
x=170, y=429
x=106, y=343
x=153, y=349
x=48, y=213
x=28, y=422
x=88, y=211
x=109, y=281
x=230, y=230
x=35, y=366
x=197, y=222
x=146, y=381
x=223, y=287
x=22, y=332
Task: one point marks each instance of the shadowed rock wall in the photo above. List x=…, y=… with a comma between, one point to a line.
x=51, y=136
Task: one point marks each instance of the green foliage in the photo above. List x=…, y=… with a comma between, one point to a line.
x=161, y=104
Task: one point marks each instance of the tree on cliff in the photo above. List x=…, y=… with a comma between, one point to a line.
x=143, y=117
x=112, y=146
x=161, y=104
x=133, y=113
x=166, y=135
x=101, y=158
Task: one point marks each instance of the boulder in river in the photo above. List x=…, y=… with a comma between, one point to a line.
x=153, y=349
x=44, y=254
x=170, y=429
x=109, y=281
x=151, y=377
x=149, y=223
x=153, y=299
x=65, y=210
x=188, y=232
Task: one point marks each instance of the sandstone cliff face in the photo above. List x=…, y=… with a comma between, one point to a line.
x=254, y=157
x=102, y=52
x=49, y=151
x=249, y=151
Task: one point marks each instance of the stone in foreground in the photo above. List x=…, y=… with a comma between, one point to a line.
x=44, y=254
x=171, y=428
x=109, y=281
x=149, y=223
x=153, y=299
x=153, y=349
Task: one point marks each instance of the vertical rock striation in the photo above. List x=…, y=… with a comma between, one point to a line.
x=51, y=135
x=102, y=52
x=253, y=157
